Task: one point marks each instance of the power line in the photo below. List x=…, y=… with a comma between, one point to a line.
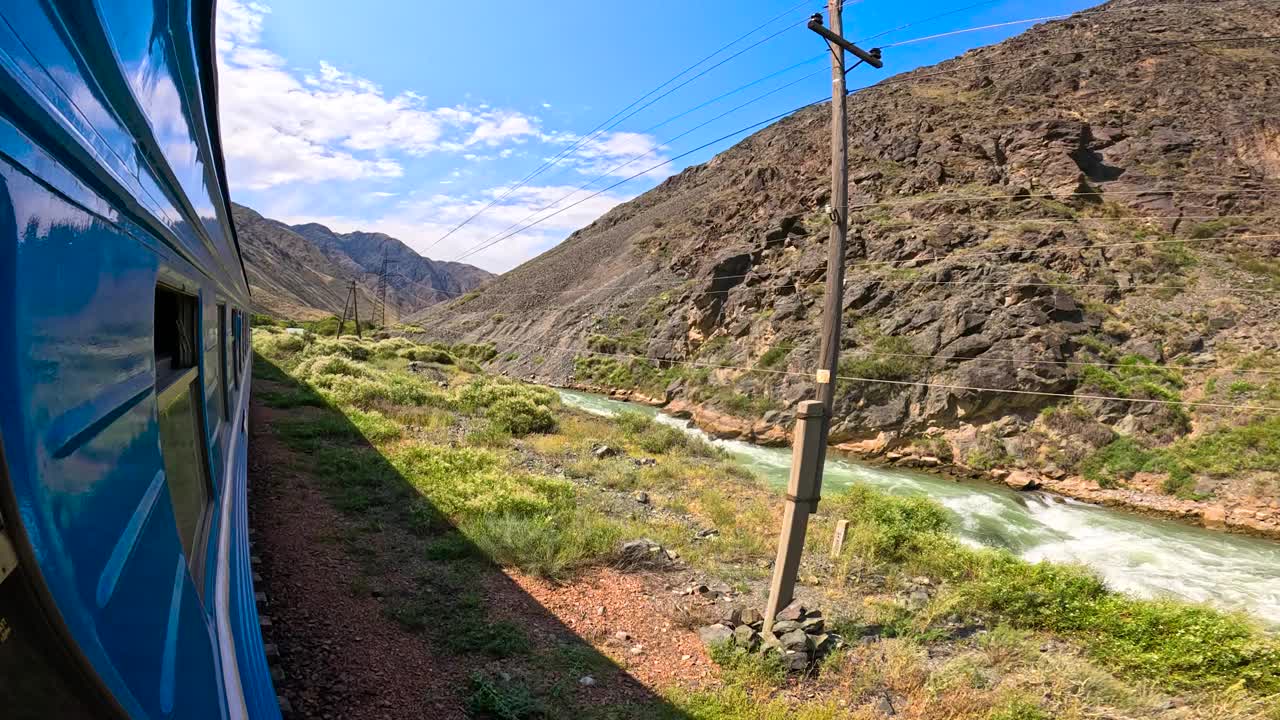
x=907, y=78
x=931, y=258
x=739, y=131
x=914, y=77
x=1019, y=361
x=1055, y=196
x=615, y=168
x=605, y=126
x=931, y=18
x=850, y=378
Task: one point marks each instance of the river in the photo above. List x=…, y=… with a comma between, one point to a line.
x=1145, y=556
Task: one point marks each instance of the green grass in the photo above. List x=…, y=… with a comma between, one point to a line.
x=882, y=360
x=1225, y=451
x=474, y=505
x=504, y=699
x=774, y=357
x=1135, y=377
x=292, y=397
x=1018, y=709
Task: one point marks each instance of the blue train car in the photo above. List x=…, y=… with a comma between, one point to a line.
x=125, y=583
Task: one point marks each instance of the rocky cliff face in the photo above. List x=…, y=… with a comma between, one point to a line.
x=1088, y=210
x=413, y=281
x=302, y=271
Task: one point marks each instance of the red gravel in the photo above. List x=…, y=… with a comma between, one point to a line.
x=605, y=602
x=341, y=656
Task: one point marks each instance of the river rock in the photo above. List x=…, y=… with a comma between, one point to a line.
x=782, y=627
x=1021, y=480
x=813, y=624
x=713, y=635
x=796, y=641
x=746, y=638
x=1214, y=517
x=641, y=553
x=795, y=661
x=794, y=611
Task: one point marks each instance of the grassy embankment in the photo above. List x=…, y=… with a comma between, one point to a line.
x=475, y=469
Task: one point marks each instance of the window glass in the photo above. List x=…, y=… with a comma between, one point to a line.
x=184, y=464
x=213, y=368
x=181, y=414
x=222, y=361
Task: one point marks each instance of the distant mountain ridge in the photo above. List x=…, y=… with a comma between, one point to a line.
x=302, y=271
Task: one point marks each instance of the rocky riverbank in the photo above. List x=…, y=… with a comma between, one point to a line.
x=1228, y=510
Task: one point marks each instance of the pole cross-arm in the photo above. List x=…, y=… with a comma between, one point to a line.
x=871, y=58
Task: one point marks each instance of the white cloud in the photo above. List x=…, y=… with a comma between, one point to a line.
x=280, y=126
x=546, y=105
x=618, y=154
x=422, y=222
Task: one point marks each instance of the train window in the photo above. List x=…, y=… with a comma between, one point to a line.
x=223, y=391
x=235, y=344
x=181, y=430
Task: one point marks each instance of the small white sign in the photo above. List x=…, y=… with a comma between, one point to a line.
x=824, y=376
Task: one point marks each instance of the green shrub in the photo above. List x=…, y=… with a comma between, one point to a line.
x=1230, y=450
x=774, y=356
x=520, y=416
x=278, y=346
x=483, y=352
x=468, y=483
x=887, y=528
x=428, y=354
x=317, y=367
x=1135, y=377
x=548, y=545
x=654, y=437
x=1018, y=709
x=883, y=360
x=391, y=347
x=501, y=698
x=1116, y=462
x=483, y=391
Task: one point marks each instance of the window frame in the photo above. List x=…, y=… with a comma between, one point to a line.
x=224, y=381
x=169, y=390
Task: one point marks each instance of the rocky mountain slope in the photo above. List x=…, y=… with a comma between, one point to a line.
x=1089, y=210
x=413, y=281
x=302, y=271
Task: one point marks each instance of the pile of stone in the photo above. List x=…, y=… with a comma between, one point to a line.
x=798, y=635
x=643, y=553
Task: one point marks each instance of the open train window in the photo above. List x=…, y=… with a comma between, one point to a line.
x=181, y=428
x=224, y=385
x=235, y=345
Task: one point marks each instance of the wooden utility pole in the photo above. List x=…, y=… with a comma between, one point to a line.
x=813, y=418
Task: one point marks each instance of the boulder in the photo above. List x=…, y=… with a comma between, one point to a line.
x=796, y=662
x=751, y=616
x=642, y=552
x=1214, y=517
x=795, y=641
x=746, y=638
x=782, y=627
x=794, y=611
x=601, y=452
x=1021, y=480
x=713, y=635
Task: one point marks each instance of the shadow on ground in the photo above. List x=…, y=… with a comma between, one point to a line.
x=380, y=608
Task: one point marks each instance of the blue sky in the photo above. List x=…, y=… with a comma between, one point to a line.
x=407, y=116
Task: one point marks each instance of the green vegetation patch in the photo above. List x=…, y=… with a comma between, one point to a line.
x=885, y=359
